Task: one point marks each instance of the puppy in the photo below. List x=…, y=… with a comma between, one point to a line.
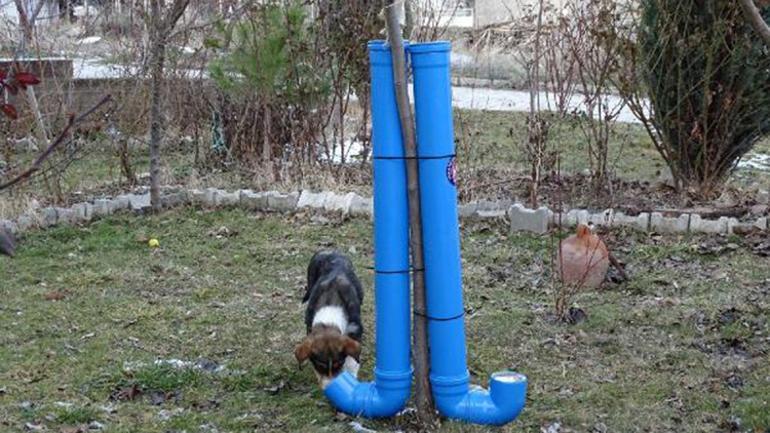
x=332, y=317
x=7, y=245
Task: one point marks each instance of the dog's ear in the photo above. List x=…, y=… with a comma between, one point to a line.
x=352, y=348
x=302, y=351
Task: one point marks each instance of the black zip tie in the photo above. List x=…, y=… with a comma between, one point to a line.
x=451, y=155
x=437, y=319
x=407, y=271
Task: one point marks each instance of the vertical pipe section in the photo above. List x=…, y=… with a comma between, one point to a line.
x=449, y=377
x=389, y=392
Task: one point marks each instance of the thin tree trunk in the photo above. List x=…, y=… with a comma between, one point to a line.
x=535, y=129
x=420, y=354
x=157, y=58
x=160, y=27
x=754, y=17
x=408, y=19
x=27, y=22
x=35, y=107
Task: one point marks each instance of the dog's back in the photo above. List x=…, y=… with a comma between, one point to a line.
x=331, y=280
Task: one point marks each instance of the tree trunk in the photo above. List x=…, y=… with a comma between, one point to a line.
x=408, y=19
x=754, y=17
x=157, y=59
x=423, y=396
x=160, y=27
x=535, y=126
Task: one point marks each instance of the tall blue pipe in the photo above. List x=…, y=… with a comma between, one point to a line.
x=450, y=381
x=389, y=392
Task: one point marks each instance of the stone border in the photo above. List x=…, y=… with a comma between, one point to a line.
x=520, y=218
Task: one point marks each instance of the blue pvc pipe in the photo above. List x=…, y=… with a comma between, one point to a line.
x=389, y=392
x=449, y=376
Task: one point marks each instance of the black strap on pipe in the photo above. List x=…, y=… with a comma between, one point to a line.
x=451, y=155
x=404, y=271
x=438, y=319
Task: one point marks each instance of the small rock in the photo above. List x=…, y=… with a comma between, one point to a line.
x=34, y=427
x=253, y=200
x=166, y=415
x=275, y=389
x=101, y=207
x=358, y=428
x=759, y=209
x=309, y=199
x=552, y=428
x=282, y=202
x=662, y=224
x=763, y=196
x=49, y=217
x=363, y=206
x=139, y=203
x=529, y=220
x=225, y=199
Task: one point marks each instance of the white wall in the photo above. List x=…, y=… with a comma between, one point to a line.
x=50, y=11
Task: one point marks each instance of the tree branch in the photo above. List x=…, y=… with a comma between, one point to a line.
x=754, y=17
x=55, y=144
x=420, y=351
x=173, y=15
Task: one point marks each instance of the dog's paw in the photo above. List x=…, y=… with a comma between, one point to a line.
x=351, y=366
x=325, y=382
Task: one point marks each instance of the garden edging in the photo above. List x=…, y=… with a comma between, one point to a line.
x=519, y=217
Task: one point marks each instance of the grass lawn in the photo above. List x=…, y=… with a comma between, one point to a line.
x=493, y=139
x=85, y=313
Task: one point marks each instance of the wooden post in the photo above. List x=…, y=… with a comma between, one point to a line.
x=423, y=396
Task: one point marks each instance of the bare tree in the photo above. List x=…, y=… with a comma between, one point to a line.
x=754, y=17
x=537, y=129
x=160, y=22
x=424, y=400
x=27, y=20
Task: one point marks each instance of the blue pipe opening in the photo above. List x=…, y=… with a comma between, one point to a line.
x=450, y=381
x=388, y=394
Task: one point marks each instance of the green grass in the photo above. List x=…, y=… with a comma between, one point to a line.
x=640, y=362
x=494, y=140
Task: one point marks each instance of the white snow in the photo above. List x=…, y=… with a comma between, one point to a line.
x=759, y=161
x=89, y=40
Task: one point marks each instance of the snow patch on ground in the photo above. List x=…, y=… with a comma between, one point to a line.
x=759, y=161
x=201, y=364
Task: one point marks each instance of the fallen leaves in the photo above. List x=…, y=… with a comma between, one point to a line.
x=275, y=389
x=223, y=232
x=129, y=393
x=55, y=295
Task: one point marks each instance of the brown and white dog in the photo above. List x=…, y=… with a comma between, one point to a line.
x=332, y=317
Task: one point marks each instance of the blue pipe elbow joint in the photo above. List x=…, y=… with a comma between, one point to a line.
x=497, y=406
x=389, y=392
x=383, y=398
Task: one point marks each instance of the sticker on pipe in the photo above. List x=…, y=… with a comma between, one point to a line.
x=451, y=171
